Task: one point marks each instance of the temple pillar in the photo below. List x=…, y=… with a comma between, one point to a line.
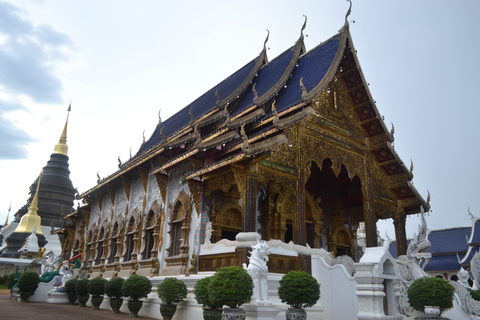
x=399, y=222
x=369, y=202
x=250, y=207
x=300, y=232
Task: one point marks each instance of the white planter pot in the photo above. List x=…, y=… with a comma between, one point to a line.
x=432, y=310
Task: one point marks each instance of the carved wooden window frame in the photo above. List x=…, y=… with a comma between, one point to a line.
x=148, y=236
x=113, y=247
x=99, y=251
x=179, y=228
x=129, y=243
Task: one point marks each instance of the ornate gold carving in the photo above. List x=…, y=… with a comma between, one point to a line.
x=162, y=181
x=195, y=188
x=213, y=262
x=222, y=182
x=239, y=175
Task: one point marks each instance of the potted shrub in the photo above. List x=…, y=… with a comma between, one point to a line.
x=299, y=290
x=211, y=311
x=27, y=283
x=70, y=290
x=96, y=288
x=430, y=292
x=82, y=290
x=113, y=289
x=10, y=280
x=136, y=287
x=231, y=286
x=171, y=291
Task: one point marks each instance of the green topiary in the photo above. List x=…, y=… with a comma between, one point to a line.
x=430, y=291
x=475, y=294
x=70, y=286
x=231, y=286
x=10, y=280
x=136, y=287
x=82, y=287
x=299, y=289
x=172, y=291
x=96, y=286
x=27, y=283
x=201, y=293
x=113, y=288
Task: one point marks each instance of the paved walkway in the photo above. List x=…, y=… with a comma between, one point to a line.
x=46, y=311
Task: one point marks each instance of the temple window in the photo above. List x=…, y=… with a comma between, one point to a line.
x=129, y=240
x=100, y=246
x=113, y=244
x=148, y=239
x=88, y=251
x=176, y=230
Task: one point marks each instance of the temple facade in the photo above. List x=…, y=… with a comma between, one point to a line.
x=292, y=149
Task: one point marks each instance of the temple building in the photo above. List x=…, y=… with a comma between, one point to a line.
x=292, y=148
x=51, y=197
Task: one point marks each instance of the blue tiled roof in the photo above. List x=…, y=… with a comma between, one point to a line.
x=199, y=107
x=476, y=234
x=443, y=241
x=267, y=77
x=312, y=67
x=449, y=240
x=443, y=263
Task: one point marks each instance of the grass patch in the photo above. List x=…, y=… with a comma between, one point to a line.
x=2, y=286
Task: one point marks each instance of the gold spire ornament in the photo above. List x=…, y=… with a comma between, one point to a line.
x=31, y=220
x=61, y=147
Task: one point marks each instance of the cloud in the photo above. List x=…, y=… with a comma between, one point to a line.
x=28, y=56
x=13, y=144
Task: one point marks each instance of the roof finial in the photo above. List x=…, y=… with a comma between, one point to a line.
x=266, y=40
x=159, y=117
x=304, y=24
x=61, y=147
x=348, y=12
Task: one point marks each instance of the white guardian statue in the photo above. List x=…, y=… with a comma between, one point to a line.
x=258, y=269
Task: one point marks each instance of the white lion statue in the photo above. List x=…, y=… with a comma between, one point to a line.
x=258, y=270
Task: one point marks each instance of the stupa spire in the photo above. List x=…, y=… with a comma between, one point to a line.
x=61, y=147
x=8, y=215
x=31, y=219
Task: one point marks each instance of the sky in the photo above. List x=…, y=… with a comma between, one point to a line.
x=120, y=62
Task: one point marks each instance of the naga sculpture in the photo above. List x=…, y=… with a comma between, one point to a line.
x=409, y=265
x=410, y=269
